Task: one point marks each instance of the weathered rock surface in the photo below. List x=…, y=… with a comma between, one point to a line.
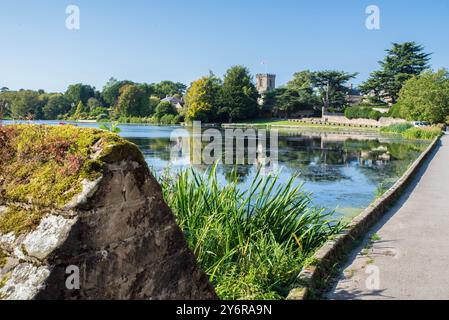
x=117, y=232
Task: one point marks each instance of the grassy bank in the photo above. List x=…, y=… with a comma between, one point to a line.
x=253, y=243
x=412, y=133
x=297, y=125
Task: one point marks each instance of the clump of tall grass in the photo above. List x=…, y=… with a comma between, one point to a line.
x=252, y=243
x=397, y=128
x=422, y=133
x=412, y=133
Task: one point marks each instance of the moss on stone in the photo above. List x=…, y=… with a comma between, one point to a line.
x=3, y=258
x=45, y=165
x=20, y=221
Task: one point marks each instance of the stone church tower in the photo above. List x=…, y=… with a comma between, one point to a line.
x=265, y=82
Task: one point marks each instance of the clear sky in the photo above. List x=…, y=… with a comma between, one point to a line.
x=181, y=40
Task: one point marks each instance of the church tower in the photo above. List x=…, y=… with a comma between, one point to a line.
x=265, y=82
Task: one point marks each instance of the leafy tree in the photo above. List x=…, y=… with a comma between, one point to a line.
x=80, y=110
x=111, y=91
x=402, y=62
x=285, y=101
x=56, y=106
x=201, y=98
x=92, y=104
x=168, y=88
x=26, y=103
x=79, y=92
x=133, y=102
x=301, y=81
x=331, y=86
x=426, y=97
x=164, y=108
x=238, y=96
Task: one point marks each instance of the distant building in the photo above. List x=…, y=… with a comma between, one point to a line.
x=265, y=82
x=178, y=103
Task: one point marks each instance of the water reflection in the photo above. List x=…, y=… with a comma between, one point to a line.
x=342, y=170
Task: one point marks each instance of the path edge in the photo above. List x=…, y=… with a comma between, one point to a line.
x=325, y=262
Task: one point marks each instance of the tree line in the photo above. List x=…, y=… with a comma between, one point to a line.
x=404, y=80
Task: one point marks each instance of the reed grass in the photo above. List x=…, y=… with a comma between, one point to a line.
x=252, y=243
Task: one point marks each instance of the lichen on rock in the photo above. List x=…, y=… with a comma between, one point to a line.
x=85, y=198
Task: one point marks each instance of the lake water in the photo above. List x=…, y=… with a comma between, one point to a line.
x=343, y=171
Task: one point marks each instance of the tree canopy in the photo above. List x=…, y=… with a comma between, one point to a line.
x=426, y=97
x=202, y=98
x=133, y=102
x=402, y=62
x=332, y=87
x=238, y=95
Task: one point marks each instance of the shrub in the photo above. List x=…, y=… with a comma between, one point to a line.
x=167, y=119
x=251, y=243
x=397, y=111
x=358, y=112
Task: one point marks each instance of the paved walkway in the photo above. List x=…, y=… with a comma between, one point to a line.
x=406, y=256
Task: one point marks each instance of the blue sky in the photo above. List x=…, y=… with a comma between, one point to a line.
x=150, y=41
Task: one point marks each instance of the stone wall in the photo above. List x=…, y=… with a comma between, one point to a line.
x=341, y=119
x=117, y=231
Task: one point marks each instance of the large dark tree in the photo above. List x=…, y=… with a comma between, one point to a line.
x=27, y=104
x=402, y=62
x=168, y=88
x=79, y=93
x=111, y=91
x=57, y=105
x=331, y=86
x=133, y=102
x=238, y=96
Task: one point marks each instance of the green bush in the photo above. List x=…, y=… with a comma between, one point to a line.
x=251, y=243
x=397, y=111
x=358, y=112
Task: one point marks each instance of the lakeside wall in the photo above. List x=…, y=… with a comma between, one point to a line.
x=325, y=262
x=341, y=120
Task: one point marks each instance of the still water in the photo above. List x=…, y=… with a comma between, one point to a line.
x=342, y=171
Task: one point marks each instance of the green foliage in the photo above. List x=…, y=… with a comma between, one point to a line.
x=238, y=96
x=402, y=62
x=410, y=132
x=285, y=101
x=79, y=92
x=26, y=104
x=397, y=128
x=202, y=97
x=426, y=97
x=169, y=119
x=111, y=128
x=164, y=108
x=111, y=91
x=252, y=243
x=133, y=102
x=80, y=110
x=422, y=133
x=331, y=86
x=358, y=112
x=397, y=111
x=168, y=88
x=57, y=105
